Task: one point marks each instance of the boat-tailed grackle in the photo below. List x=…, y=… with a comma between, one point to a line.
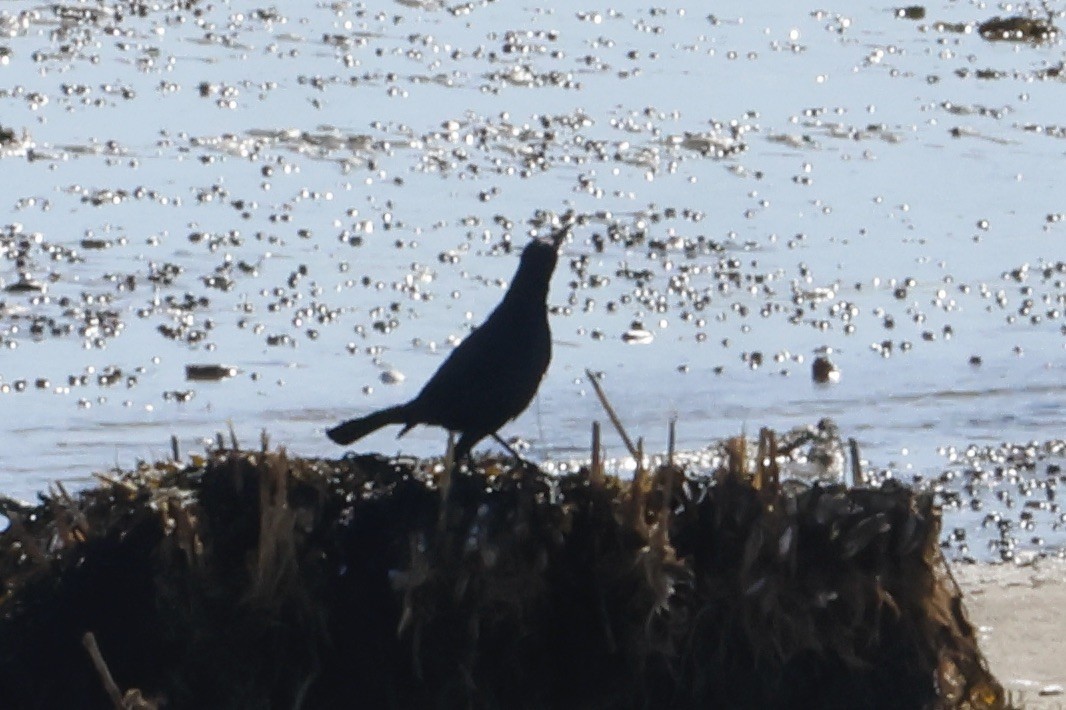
x=491, y=376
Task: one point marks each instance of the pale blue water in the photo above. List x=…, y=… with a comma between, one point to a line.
x=872, y=154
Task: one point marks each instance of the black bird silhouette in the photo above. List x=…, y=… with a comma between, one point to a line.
x=491, y=377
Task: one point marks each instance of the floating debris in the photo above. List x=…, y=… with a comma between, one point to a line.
x=1017, y=29
x=824, y=371
x=638, y=335
x=392, y=377
x=911, y=12
x=209, y=373
x=26, y=284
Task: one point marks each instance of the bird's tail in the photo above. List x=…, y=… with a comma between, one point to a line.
x=355, y=429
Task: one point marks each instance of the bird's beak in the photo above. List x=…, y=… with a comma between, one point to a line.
x=566, y=221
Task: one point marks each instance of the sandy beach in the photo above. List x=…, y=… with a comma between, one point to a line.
x=1019, y=613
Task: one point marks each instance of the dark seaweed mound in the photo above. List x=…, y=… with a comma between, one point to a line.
x=257, y=580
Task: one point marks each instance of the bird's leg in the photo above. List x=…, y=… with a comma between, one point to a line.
x=507, y=446
x=518, y=457
x=463, y=450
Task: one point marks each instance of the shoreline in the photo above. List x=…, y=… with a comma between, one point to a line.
x=1018, y=613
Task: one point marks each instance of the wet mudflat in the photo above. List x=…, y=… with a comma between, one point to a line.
x=282, y=218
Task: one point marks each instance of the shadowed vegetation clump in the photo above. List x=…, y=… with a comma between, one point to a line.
x=255, y=579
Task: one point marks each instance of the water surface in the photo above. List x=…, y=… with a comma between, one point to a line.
x=317, y=195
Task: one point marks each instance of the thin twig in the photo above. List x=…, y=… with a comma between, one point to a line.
x=774, y=469
x=736, y=464
x=668, y=479
x=13, y=505
x=113, y=692
x=611, y=414
x=276, y=564
x=75, y=512
x=767, y=474
x=638, y=493
x=305, y=687
x=185, y=534
x=65, y=529
x=597, y=462
x=671, y=440
x=760, y=462
x=126, y=486
x=857, y=477
x=450, y=467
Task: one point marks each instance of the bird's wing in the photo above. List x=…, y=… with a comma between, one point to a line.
x=485, y=382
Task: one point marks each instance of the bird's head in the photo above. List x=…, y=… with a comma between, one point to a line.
x=542, y=252
x=539, y=257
